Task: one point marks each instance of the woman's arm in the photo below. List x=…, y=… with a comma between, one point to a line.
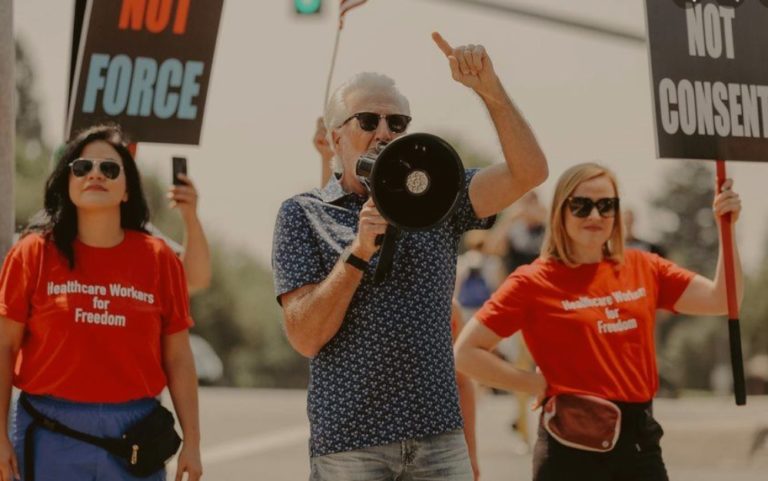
x=474, y=357
x=11, y=334
x=708, y=296
x=179, y=367
x=196, y=256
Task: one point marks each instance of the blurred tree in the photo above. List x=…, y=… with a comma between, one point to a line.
x=754, y=311
x=689, y=228
x=32, y=156
x=239, y=316
x=28, y=123
x=689, y=347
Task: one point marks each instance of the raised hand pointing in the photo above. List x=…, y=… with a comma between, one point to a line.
x=470, y=65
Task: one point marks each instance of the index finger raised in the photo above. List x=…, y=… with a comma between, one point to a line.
x=442, y=44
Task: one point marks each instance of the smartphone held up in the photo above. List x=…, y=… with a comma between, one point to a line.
x=179, y=167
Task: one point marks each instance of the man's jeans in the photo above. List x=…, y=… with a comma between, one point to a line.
x=442, y=457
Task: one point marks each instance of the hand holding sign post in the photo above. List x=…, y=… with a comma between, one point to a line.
x=734, y=331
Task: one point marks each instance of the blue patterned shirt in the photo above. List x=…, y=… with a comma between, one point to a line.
x=388, y=373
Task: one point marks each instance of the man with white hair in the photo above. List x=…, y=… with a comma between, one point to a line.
x=382, y=399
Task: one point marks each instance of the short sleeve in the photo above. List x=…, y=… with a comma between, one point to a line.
x=505, y=312
x=466, y=219
x=18, y=278
x=672, y=280
x=296, y=259
x=174, y=297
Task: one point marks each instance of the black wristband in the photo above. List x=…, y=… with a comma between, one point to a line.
x=351, y=259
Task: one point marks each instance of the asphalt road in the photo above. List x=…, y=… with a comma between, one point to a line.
x=262, y=434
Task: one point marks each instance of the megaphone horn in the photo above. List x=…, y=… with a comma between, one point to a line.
x=415, y=182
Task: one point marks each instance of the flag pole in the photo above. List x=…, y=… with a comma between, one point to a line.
x=333, y=65
x=344, y=7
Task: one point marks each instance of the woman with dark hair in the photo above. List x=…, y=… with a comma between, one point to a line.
x=94, y=319
x=586, y=309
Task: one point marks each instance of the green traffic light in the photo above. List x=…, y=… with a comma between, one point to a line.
x=307, y=6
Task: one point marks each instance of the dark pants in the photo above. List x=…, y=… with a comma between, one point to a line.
x=636, y=457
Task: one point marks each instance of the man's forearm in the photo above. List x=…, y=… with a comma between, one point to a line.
x=315, y=313
x=522, y=152
x=525, y=167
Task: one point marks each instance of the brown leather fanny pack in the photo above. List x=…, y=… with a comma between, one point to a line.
x=582, y=422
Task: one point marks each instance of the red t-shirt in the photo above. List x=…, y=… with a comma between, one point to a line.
x=590, y=328
x=93, y=334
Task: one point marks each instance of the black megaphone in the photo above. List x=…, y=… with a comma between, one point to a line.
x=415, y=182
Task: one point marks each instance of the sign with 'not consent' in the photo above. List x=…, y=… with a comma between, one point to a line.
x=709, y=69
x=146, y=65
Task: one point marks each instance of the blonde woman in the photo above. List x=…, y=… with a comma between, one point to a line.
x=586, y=309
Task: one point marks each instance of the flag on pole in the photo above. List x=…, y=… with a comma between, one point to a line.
x=345, y=6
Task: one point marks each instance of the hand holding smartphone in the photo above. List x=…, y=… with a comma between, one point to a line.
x=179, y=167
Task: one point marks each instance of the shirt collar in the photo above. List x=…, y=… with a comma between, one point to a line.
x=333, y=191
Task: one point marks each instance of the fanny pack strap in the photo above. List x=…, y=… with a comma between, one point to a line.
x=40, y=420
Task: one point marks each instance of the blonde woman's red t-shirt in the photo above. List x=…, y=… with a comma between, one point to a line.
x=590, y=328
x=93, y=334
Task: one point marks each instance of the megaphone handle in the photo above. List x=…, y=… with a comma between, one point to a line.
x=387, y=253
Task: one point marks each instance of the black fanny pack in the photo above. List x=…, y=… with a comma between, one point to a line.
x=145, y=447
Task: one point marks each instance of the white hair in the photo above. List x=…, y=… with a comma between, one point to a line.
x=373, y=84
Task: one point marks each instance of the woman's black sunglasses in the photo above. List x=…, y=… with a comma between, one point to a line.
x=582, y=206
x=81, y=167
x=369, y=121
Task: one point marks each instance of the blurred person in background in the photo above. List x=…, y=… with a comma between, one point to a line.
x=478, y=273
x=519, y=233
x=323, y=147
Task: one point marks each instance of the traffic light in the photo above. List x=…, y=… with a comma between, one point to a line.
x=307, y=7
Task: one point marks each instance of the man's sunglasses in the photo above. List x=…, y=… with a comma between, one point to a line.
x=582, y=206
x=81, y=167
x=369, y=121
